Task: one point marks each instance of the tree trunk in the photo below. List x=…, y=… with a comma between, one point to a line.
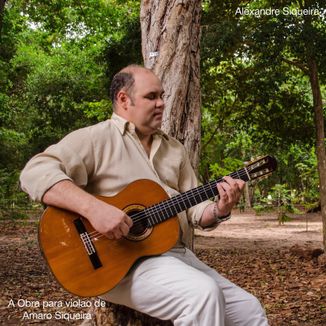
x=170, y=46
x=116, y=315
x=247, y=196
x=320, y=138
x=318, y=116
x=2, y=9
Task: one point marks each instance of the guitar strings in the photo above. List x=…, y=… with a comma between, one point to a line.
x=171, y=202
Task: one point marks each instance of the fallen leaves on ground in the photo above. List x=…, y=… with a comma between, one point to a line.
x=291, y=287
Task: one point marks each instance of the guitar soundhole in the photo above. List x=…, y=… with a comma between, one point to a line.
x=140, y=229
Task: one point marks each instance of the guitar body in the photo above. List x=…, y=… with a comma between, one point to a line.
x=68, y=241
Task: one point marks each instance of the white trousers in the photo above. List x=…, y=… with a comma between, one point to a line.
x=177, y=286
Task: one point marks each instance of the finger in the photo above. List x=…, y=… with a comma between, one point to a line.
x=124, y=229
x=229, y=180
x=225, y=185
x=233, y=183
x=236, y=184
x=241, y=184
x=110, y=235
x=117, y=234
x=222, y=192
x=231, y=188
x=128, y=221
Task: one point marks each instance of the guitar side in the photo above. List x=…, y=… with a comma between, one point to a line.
x=61, y=233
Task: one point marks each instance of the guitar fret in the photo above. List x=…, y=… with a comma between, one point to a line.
x=150, y=219
x=164, y=212
x=199, y=196
x=181, y=202
x=189, y=202
x=205, y=193
x=171, y=211
x=212, y=191
x=179, y=206
x=158, y=216
x=238, y=175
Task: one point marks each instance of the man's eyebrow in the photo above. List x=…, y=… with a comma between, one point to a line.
x=155, y=92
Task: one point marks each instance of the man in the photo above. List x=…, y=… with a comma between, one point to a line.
x=103, y=159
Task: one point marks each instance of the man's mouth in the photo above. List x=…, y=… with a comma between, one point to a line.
x=158, y=115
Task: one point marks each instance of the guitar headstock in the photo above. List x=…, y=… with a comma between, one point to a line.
x=261, y=167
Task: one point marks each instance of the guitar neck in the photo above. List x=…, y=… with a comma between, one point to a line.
x=166, y=209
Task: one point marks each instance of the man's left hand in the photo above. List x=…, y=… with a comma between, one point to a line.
x=230, y=191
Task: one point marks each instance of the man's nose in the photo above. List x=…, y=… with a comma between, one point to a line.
x=160, y=103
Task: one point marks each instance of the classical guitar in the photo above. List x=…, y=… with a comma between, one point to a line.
x=86, y=263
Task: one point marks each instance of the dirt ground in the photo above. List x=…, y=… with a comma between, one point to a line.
x=277, y=263
x=264, y=231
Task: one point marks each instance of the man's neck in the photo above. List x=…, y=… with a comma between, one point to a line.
x=146, y=141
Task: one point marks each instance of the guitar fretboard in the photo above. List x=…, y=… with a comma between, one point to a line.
x=168, y=208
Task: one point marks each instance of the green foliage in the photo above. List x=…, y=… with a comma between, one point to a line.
x=12, y=145
x=256, y=93
x=12, y=200
x=262, y=208
x=281, y=197
x=227, y=166
x=262, y=203
x=309, y=195
x=285, y=202
x=56, y=61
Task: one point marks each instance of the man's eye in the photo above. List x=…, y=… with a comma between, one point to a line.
x=151, y=96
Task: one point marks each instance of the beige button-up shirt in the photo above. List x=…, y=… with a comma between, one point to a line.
x=104, y=158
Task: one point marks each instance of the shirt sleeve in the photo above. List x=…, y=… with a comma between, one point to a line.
x=70, y=159
x=187, y=181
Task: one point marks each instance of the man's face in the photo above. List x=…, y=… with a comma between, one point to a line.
x=145, y=106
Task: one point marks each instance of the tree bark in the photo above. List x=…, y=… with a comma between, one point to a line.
x=247, y=196
x=318, y=117
x=320, y=138
x=2, y=9
x=170, y=46
x=116, y=315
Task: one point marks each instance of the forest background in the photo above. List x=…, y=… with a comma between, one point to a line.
x=57, y=59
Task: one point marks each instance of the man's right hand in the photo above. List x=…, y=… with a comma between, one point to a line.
x=106, y=219
x=109, y=220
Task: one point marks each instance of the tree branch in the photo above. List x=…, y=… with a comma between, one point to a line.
x=297, y=64
x=210, y=138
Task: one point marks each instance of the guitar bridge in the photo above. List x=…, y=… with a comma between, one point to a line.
x=88, y=244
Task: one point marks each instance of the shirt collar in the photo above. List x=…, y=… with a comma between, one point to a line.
x=125, y=125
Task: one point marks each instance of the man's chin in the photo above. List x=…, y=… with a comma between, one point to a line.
x=157, y=123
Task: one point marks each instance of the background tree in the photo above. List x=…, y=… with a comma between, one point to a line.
x=170, y=46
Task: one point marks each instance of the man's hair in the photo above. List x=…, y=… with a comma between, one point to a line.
x=121, y=80
x=124, y=79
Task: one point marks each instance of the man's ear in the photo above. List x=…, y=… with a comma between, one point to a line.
x=123, y=100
